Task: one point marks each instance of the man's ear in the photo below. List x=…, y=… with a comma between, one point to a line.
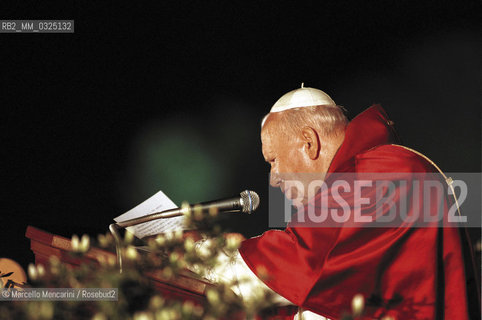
x=311, y=142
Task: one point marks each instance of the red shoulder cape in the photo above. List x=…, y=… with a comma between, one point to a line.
x=406, y=273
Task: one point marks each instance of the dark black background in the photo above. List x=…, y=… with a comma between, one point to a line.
x=74, y=105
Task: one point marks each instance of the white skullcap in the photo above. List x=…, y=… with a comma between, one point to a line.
x=302, y=97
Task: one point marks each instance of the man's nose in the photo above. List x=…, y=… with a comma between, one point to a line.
x=274, y=180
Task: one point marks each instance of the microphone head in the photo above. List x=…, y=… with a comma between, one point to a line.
x=249, y=201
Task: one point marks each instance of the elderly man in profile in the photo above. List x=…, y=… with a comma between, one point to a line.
x=402, y=272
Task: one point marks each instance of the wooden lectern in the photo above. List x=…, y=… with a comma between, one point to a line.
x=44, y=245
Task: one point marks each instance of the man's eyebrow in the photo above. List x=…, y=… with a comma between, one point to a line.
x=268, y=155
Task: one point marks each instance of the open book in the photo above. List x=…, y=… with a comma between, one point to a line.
x=157, y=203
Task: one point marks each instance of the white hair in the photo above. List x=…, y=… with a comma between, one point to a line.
x=328, y=120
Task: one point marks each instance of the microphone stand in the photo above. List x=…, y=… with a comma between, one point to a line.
x=115, y=227
x=114, y=230
x=153, y=216
x=246, y=202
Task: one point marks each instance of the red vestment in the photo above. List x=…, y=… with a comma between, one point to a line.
x=406, y=273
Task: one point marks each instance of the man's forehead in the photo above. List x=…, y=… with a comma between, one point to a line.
x=271, y=125
x=269, y=134
x=266, y=143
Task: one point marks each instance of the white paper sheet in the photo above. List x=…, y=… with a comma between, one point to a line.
x=156, y=203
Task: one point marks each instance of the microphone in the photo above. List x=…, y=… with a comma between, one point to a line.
x=246, y=202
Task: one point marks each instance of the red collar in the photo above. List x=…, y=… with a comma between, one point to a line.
x=367, y=130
